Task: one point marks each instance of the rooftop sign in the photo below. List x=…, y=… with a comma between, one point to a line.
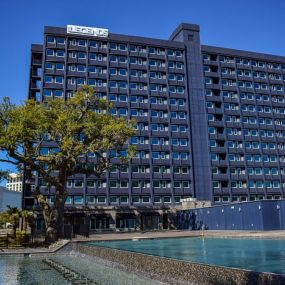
x=87, y=31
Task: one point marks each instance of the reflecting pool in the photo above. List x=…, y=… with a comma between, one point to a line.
x=262, y=255
x=16, y=270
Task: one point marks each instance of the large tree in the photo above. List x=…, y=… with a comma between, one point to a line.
x=71, y=129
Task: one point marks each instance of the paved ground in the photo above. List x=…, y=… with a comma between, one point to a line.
x=165, y=234
x=157, y=234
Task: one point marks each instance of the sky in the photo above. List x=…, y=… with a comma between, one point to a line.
x=254, y=25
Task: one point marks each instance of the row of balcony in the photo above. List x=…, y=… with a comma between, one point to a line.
x=120, y=191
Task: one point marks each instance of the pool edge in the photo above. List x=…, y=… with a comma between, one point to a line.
x=183, y=272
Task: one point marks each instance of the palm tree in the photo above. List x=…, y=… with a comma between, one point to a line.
x=27, y=218
x=13, y=216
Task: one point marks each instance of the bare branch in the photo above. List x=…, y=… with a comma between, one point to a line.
x=9, y=161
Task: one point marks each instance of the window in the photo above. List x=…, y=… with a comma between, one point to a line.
x=59, y=79
x=136, y=199
x=145, y=199
x=122, y=47
x=184, y=155
x=58, y=93
x=133, y=85
x=124, y=184
x=49, y=52
x=59, y=66
x=101, y=199
x=49, y=65
x=78, y=200
x=166, y=199
x=123, y=59
x=179, y=65
x=180, y=89
x=81, y=55
x=92, y=56
x=78, y=183
x=90, y=183
x=48, y=79
x=113, y=84
x=123, y=84
x=113, y=46
x=216, y=184
x=114, y=199
x=50, y=39
x=80, y=81
x=60, y=41
x=68, y=200
x=82, y=43
x=122, y=72
x=157, y=199
x=60, y=53
x=47, y=92
x=124, y=199
x=90, y=199
x=92, y=82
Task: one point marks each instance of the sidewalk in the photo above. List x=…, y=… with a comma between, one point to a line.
x=35, y=250
x=176, y=233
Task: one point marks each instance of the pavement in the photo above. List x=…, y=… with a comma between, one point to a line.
x=151, y=234
x=176, y=233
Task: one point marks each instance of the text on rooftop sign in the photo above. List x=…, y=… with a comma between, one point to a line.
x=88, y=31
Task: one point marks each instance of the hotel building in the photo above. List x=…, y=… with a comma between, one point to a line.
x=210, y=120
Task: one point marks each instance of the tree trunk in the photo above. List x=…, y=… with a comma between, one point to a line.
x=50, y=219
x=59, y=210
x=14, y=230
x=51, y=235
x=54, y=216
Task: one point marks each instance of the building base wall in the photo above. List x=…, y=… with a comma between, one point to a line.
x=257, y=215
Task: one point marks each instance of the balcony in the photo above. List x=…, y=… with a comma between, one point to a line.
x=214, y=98
x=228, y=64
x=218, y=149
x=163, y=191
x=141, y=175
x=221, y=177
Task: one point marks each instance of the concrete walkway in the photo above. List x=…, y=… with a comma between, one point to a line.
x=175, y=233
x=156, y=234
x=35, y=250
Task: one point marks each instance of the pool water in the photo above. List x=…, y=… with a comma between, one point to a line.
x=29, y=271
x=262, y=255
x=15, y=270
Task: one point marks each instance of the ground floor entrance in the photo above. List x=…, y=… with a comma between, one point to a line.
x=99, y=222
x=83, y=223
x=126, y=221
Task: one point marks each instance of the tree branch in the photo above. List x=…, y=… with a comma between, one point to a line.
x=9, y=161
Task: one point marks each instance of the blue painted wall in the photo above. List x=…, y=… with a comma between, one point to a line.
x=258, y=215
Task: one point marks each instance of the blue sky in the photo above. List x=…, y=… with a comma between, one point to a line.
x=256, y=25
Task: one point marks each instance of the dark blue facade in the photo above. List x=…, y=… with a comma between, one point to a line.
x=210, y=121
x=146, y=80
x=256, y=215
x=246, y=124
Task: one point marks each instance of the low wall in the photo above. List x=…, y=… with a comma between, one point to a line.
x=179, y=272
x=266, y=215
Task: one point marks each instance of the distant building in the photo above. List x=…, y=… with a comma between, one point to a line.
x=9, y=198
x=15, y=182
